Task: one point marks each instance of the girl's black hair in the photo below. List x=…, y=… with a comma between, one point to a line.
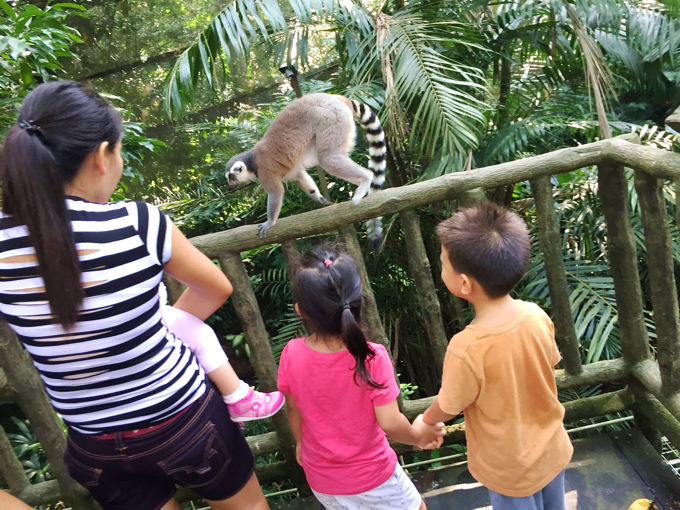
x=327, y=289
x=59, y=124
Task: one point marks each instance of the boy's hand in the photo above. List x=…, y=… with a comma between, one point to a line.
x=429, y=436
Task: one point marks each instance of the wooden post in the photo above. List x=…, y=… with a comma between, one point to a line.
x=262, y=359
x=370, y=310
x=419, y=267
x=551, y=244
x=623, y=263
x=10, y=467
x=34, y=403
x=662, y=280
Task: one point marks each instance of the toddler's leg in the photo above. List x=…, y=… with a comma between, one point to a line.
x=243, y=403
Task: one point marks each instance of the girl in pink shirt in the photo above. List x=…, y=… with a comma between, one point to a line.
x=341, y=395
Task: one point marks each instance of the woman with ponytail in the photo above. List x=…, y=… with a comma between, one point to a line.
x=79, y=285
x=341, y=394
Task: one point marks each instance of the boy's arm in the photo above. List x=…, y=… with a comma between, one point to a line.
x=398, y=428
x=434, y=414
x=295, y=422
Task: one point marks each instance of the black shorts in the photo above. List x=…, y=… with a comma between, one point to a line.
x=202, y=449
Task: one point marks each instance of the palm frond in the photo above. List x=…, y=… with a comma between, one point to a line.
x=442, y=95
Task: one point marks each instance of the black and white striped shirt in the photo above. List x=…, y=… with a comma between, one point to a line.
x=117, y=368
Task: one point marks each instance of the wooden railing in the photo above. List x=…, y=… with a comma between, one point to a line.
x=651, y=384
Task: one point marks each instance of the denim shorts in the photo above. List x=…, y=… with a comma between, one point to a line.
x=201, y=449
x=550, y=497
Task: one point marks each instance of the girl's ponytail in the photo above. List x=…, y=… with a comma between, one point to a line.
x=357, y=345
x=327, y=288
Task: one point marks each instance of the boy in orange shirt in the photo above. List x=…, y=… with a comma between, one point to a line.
x=499, y=369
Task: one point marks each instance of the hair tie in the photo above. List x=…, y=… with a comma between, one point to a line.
x=30, y=126
x=346, y=306
x=327, y=262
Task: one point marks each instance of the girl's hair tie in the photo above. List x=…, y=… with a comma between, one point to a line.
x=29, y=126
x=327, y=262
x=346, y=306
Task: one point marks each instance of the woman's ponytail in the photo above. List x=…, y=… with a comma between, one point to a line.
x=33, y=195
x=59, y=125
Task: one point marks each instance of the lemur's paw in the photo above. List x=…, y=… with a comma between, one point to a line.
x=262, y=229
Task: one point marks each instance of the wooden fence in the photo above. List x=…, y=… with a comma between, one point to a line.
x=651, y=384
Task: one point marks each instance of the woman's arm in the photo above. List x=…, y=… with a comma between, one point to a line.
x=207, y=286
x=295, y=422
x=398, y=428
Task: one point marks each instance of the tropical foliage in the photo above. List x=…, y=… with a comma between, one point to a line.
x=458, y=85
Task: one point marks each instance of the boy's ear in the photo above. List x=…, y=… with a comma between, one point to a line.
x=466, y=285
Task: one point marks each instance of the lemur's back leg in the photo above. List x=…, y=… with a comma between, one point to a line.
x=309, y=186
x=342, y=166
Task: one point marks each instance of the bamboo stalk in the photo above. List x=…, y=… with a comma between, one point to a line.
x=662, y=280
x=551, y=244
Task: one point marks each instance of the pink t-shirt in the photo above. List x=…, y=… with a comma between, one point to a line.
x=344, y=450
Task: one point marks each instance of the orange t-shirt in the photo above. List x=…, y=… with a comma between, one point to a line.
x=502, y=378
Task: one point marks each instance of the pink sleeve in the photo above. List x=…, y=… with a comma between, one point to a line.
x=282, y=384
x=381, y=369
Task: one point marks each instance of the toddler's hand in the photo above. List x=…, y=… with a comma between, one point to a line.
x=298, y=453
x=429, y=436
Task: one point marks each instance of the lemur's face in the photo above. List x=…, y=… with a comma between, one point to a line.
x=238, y=173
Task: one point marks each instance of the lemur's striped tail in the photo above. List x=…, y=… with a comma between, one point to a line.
x=376, y=162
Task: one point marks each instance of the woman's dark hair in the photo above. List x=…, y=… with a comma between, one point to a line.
x=59, y=124
x=327, y=289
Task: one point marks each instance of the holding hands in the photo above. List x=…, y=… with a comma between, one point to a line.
x=429, y=436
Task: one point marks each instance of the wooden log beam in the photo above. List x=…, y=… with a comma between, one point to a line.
x=33, y=401
x=623, y=262
x=647, y=372
x=262, y=359
x=10, y=467
x=600, y=372
x=661, y=417
x=651, y=160
x=419, y=268
x=660, y=266
x=551, y=244
x=8, y=394
x=599, y=405
x=392, y=200
x=370, y=312
x=673, y=120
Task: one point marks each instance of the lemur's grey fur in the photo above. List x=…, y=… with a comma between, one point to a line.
x=317, y=129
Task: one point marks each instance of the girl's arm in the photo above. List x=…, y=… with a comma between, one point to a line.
x=295, y=422
x=398, y=428
x=207, y=286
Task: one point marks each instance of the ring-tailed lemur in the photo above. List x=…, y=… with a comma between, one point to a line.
x=317, y=129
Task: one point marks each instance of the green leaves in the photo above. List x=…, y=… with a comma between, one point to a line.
x=33, y=42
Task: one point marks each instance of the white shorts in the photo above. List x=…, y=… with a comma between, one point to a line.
x=397, y=492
